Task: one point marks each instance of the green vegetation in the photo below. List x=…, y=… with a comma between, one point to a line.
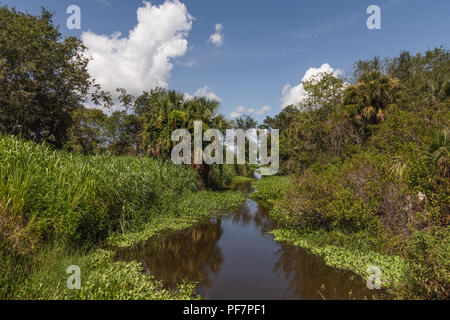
x=339, y=251
x=101, y=278
x=73, y=198
x=57, y=208
x=368, y=165
x=271, y=188
x=191, y=209
x=238, y=179
x=365, y=162
x=112, y=186
x=43, y=78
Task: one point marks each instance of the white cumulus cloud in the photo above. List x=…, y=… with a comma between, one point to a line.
x=294, y=95
x=217, y=37
x=239, y=111
x=142, y=60
x=263, y=110
x=204, y=92
x=235, y=115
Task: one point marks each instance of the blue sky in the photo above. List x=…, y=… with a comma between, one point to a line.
x=266, y=44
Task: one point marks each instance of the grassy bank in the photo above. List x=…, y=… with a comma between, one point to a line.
x=347, y=253
x=369, y=159
x=418, y=269
x=271, y=189
x=191, y=209
x=59, y=209
x=239, y=179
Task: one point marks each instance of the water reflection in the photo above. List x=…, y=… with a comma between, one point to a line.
x=251, y=213
x=192, y=255
x=310, y=278
x=235, y=258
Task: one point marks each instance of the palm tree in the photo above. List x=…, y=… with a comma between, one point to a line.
x=162, y=111
x=438, y=153
x=399, y=169
x=159, y=110
x=372, y=94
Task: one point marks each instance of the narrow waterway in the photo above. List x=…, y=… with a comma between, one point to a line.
x=236, y=258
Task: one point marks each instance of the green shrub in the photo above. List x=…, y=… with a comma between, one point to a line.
x=348, y=212
x=223, y=175
x=429, y=273
x=272, y=188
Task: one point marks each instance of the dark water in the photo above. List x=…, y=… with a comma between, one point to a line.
x=235, y=258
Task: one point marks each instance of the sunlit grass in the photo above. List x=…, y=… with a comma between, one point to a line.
x=57, y=209
x=78, y=198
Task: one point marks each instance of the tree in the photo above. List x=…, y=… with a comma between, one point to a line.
x=283, y=120
x=324, y=91
x=87, y=132
x=245, y=123
x=305, y=127
x=43, y=78
x=426, y=77
x=123, y=133
x=365, y=67
x=161, y=111
x=371, y=95
x=438, y=153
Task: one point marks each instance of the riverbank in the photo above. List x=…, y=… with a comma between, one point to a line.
x=59, y=209
x=234, y=257
x=355, y=251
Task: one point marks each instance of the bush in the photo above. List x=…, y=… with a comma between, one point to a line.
x=429, y=273
x=223, y=175
x=271, y=189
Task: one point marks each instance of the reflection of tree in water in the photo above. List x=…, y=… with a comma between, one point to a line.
x=192, y=255
x=252, y=213
x=310, y=278
x=195, y=255
x=244, y=215
x=244, y=187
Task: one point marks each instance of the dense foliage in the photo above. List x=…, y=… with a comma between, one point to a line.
x=76, y=198
x=43, y=78
x=54, y=206
x=45, y=87
x=370, y=159
x=366, y=165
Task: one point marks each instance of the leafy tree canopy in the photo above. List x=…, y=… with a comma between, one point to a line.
x=43, y=78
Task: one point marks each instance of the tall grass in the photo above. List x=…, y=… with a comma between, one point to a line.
x=57, y=208
x=81, y=199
